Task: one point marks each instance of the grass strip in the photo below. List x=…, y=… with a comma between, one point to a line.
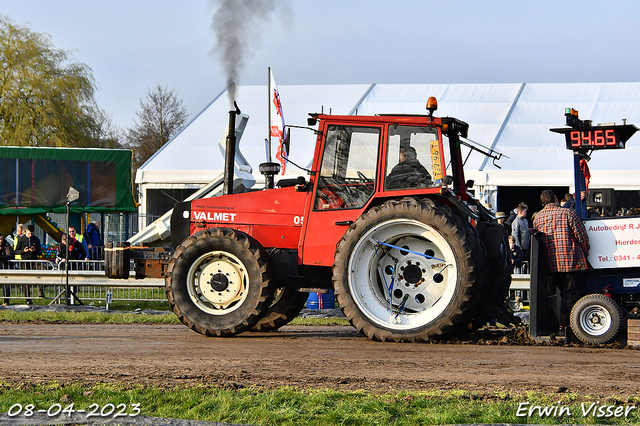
x=87, y=317
x=126, y=318
x=293, y=406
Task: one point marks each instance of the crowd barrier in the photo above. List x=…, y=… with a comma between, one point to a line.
x=44, y=278
x=90, y=282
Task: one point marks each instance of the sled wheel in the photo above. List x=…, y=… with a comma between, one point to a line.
x=219, y=282
x=596, y=319
x=287, y=304
x=405, y=271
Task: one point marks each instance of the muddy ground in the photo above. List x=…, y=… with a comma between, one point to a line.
x=320, y=356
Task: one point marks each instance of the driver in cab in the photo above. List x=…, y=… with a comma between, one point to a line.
x=408, y=173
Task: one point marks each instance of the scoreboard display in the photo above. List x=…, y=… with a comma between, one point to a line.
x=584, y=137
x=595, y=138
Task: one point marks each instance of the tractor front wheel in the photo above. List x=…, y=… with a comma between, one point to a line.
x=218, y=282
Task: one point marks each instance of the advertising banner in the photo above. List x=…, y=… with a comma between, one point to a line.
x=615, y=243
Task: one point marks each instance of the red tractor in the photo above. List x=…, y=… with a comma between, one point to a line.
x=384, y=218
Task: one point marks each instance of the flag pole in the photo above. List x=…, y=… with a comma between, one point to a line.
x=269, y=112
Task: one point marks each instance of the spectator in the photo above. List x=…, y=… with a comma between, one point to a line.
x=93, y=237
x=29, y=248
x=506, y=230
x=568, y=202
x=19, y=232
x=515, y=256
x=520, y=229
x=512, y=216
x=6, y=254
x=76, y=250
x=29, y=245
x=80, y=239
x=566, y=244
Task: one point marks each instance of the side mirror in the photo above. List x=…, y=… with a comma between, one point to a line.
x=470, y=183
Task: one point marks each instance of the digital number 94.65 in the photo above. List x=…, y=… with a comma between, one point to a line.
x=593, y=138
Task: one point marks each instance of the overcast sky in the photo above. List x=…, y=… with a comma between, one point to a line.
x=133, y=44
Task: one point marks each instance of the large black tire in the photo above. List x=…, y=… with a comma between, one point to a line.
x=287, y=304
x=430, y=297
x=596, y=319
x=218, y=282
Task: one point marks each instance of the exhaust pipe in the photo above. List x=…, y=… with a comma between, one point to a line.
x=230, y=157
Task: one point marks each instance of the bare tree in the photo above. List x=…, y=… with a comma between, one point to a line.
x=160, y=118
x=103, y=132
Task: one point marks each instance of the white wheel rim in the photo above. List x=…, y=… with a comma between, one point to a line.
x=415, y=279
x=595, y=320
x=218, y=283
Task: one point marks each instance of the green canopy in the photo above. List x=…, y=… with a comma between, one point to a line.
x=37, y=180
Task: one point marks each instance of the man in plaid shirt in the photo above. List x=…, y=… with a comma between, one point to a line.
x=566, y=244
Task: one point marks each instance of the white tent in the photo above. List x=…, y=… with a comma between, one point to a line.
x=512, y=118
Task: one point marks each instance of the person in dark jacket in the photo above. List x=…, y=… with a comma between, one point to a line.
x=408, y=173
x=29, y=245
x=568, y=202
x=92, y=235
x=6, y=254
x=512, y=216
x=76, y=250
x=29, y=248
x=515, y=256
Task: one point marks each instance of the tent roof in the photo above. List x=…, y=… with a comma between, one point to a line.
x=512, y=118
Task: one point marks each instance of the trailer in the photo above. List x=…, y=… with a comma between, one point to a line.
x=610, y=292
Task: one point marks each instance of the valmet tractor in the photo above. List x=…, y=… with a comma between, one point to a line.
x=384, y=218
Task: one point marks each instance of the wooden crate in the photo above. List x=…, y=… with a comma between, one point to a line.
x=633, y=336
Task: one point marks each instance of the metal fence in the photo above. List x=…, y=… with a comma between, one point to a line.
x=31, y=279
x=42, y=278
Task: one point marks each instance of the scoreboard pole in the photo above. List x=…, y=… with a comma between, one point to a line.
x=580, y=187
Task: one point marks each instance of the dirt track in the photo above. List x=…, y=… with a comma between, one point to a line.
x=335, y=357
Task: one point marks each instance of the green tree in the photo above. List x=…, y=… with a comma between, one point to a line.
x=45, y=99
x=160, y=118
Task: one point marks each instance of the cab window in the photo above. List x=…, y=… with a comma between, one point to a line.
x=413, y=158
x=348, y=168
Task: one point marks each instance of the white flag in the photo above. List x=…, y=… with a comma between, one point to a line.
x=277, y=125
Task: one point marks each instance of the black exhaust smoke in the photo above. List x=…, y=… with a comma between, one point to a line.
x=237, y=25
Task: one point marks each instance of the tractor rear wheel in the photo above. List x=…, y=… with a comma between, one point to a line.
x=596, y=319
x=407, y=271
x=218, y=282
x=287, y=304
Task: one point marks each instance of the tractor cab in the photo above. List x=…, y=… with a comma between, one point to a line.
x=363, y=161
x=357, y=157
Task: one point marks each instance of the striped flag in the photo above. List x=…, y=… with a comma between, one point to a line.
x=277, y=125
